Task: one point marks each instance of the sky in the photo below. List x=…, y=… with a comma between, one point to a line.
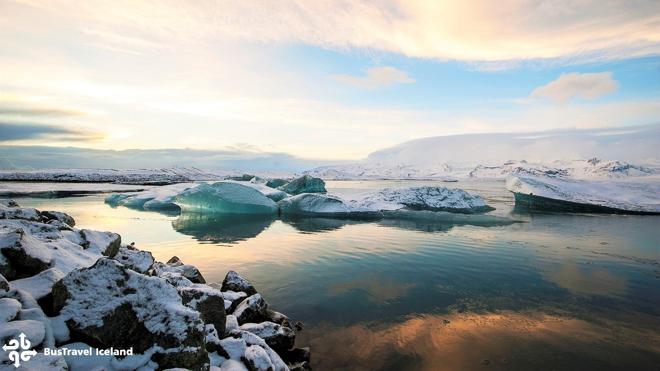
x=317, y=79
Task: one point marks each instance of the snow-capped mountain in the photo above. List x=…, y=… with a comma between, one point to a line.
x=594, y=168
x=574, y=153
x=579, y=169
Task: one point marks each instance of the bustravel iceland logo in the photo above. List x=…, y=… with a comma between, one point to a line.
x=19, y=350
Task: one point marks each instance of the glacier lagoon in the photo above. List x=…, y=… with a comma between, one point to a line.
x=561, y=291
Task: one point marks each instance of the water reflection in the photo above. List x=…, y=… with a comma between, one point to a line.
x=228, y=228
x=316, y=225
x=221, y=228
x=496, y=341
x=379, y=289
x=560, y=291
x=587, y=280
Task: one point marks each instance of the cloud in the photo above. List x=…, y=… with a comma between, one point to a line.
x=377, y=77
x=49, y=157
x=28, y=112
x=471, y=30
x=12, y=131
x=577, y=85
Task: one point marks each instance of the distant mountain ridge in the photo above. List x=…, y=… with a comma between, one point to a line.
x=579, y=169
x=594, y=153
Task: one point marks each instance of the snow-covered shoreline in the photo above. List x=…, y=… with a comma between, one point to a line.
x=120, y=176
x=69, y=288
x=62, y=189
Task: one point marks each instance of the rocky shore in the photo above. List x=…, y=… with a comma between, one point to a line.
x=71, y=290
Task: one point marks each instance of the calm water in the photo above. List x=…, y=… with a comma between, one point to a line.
x=556, y=292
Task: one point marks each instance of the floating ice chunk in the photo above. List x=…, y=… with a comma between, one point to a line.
x=426, y=198
x=156, y=198
x=272, y=193
x=225, y=197
x=310, y=204
x=304, y=184
x=626, y=195
x=277, y=182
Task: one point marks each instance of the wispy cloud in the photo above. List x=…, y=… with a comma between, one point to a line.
x=377, y=77
x=471, y=30
x=29, y=111
x=14, y=131
x=577, y=85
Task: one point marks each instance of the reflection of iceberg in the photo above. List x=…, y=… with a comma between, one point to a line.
x=641, y=196
x=319, y=224
x=435, y=221
x=225, y=197
x=221, y=228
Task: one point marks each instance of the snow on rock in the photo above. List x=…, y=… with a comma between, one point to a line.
x=231, y=324
x=114, y=306
x=231, y=365
x=232, y=299
x=12, y=211
x=59, y=216
x=4, y=284
x=108, y=362
x=426, y=198
x=39, y=285
x=43, y=362
x=257, y=359
x=186, y=270
x=225, y=197
x=304, y=184
x=235, y=347
x=28, y=248
x=25, y=253
x=163, y=311
x=631, y=195
x=9, y=309
x=105, y=243
x=35, y=331
x=278, y=337
x=252, y=339
x=234, y=282
x=208, y=301
x=137, y=260
x=251, y=309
